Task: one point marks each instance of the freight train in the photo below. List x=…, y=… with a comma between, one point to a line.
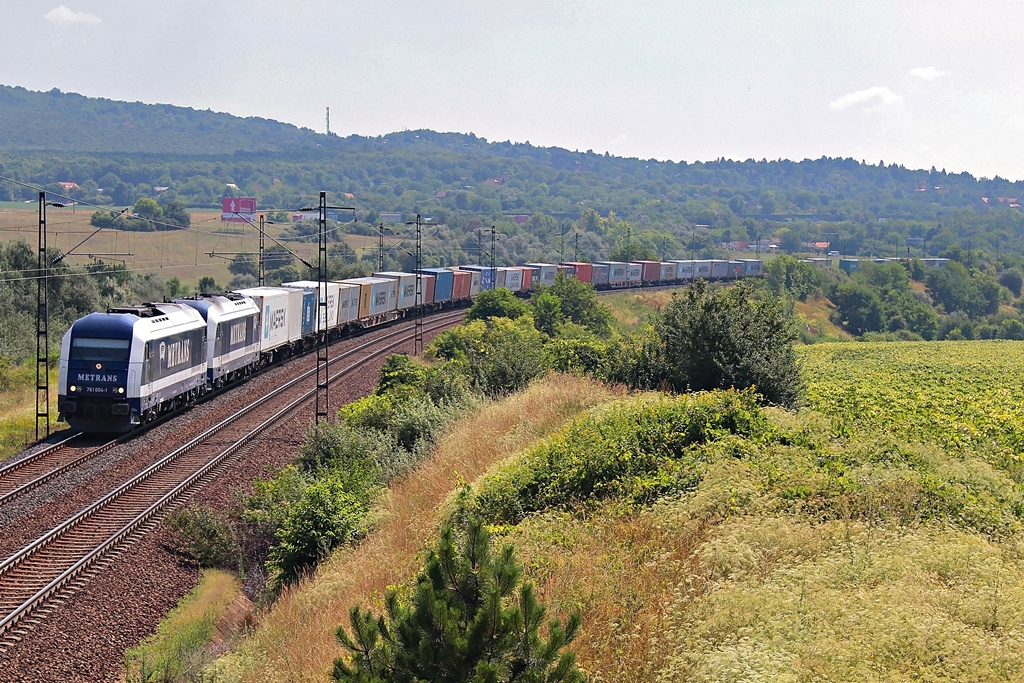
x=124, y=368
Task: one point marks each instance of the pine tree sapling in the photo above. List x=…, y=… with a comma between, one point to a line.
x=460, y=624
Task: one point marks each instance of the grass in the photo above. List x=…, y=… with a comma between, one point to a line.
x=813, y=318
x=295, y=640
x=630, y=307
x=18, y=408
x=874, y=535
x=180, y=648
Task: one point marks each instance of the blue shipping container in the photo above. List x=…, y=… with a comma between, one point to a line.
x=486, y=275
x=308, y=311
x=443, y=283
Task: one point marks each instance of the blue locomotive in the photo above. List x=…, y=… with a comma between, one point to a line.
x=125, y=367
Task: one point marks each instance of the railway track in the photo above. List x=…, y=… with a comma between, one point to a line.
x=49, y=463
x=39, y=576
x=31, y=472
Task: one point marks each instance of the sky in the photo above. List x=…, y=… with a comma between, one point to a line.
x=920, y=83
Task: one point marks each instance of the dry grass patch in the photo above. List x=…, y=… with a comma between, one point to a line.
x=181, y=646
x=295, y=640
x=786, y=600
x=18, y=409
x=629, y=308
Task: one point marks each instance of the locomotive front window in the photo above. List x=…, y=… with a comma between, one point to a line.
x=94, y=350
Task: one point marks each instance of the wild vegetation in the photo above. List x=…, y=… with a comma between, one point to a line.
x=874, y=534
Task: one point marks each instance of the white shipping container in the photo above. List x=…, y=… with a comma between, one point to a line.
x=474, y=283
x=548, y=271
x=405, y=287
x=719, y=269
x=684, y=270
x=280, y=315
x=383, y=293
x=703, y=269
x=668, y=270
x=330, y=296
x=348, y=303
x=616, y=272
x=513, y=279
x=634, y=272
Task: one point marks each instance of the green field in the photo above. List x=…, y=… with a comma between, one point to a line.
x=966, y=397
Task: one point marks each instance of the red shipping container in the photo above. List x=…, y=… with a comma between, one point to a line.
x=527, y=278
x=461, y=285
x=584, y=271
x=428, y=288
x=651, y=270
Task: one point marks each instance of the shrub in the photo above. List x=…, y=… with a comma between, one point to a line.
x=400, y=373
x=205, y=535
x=578, y=302
x=577, y=356
x=496, y=303
x=634, y=450
x=637, y=360
x=498, y=357
x=355, y=453
x=720, y=339
x=326, y=517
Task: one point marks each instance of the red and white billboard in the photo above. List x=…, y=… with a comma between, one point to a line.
x=238, y=209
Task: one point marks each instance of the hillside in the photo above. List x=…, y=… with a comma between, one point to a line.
x=116, y=152
x=844, y=542
x=67, y=122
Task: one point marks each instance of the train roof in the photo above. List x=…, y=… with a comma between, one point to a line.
x=105, y=325
x=221, y=302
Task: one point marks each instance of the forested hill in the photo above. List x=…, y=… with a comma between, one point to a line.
x=67, y=122
x=115, y=153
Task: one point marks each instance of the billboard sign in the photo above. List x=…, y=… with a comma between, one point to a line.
x=238, y=209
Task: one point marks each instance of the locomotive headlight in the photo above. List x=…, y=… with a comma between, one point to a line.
x=120, y=390
x=72, y=388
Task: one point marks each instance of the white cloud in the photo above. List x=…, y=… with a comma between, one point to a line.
x=928, y=73
x=63, y=15
x=877, y=94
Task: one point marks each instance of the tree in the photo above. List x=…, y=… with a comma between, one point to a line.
x=547, y=313
x=579, y=304
x=148, y=209
x=497, y=303
x=176, y=213
x=459, y=624
x=1013, y=281
x=858, y=308
x=243, y=264
x=633, y=251
x=717, y=338
x=207, y=284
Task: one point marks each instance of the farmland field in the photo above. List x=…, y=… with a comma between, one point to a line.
x=965, y=396
x=179, y=253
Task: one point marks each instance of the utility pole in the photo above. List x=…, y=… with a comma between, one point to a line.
x=322, y=347
x=576, y=250
x=561, y=248
x=261, y=271
x=328, y=122
x=42, y=326
x=494, y=271
x=417, y=345
x=380, y=258
x=629, y=254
